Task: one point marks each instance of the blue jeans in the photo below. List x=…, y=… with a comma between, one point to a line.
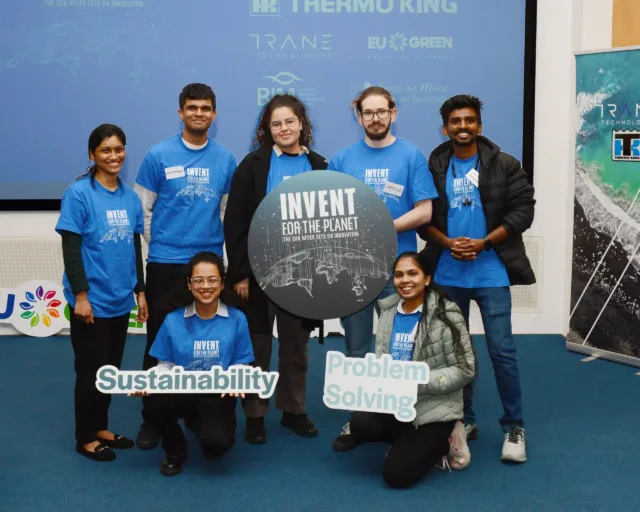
x=495, y=308
x=358, y=328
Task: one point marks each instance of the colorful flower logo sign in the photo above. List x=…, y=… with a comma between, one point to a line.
x=42, y=310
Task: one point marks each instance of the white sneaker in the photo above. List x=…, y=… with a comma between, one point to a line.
x=514, y=448
x=459, y=453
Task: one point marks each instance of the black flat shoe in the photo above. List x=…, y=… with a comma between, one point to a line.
x=102, y=453
x=171, y=466
x=118, y=442
x=147, y=438
x=256, y=433
x=299, y=423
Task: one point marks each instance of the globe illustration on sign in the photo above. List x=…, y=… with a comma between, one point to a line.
x=322, y=245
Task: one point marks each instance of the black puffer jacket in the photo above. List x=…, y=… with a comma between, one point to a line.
x=507, y=200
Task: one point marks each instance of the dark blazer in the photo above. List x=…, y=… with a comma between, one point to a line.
x=248, y=189
x=507, y=199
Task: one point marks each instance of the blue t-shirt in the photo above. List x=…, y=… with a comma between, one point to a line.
x=403, y=334
x=190, y=185
x=402, y=163
x=284, y=167
x=195, y=344
x=106, y=221
x=466, y=218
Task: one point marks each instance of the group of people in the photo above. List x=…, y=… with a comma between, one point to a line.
x=469, y=201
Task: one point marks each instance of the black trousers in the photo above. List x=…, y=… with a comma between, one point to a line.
x=166, y=289
x=414, y=451
x=94, y=345
x=212, y=419
x=293, y=362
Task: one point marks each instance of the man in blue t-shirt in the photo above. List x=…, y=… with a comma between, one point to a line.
x=397, y=171
x=182, y=183
x=486, y=203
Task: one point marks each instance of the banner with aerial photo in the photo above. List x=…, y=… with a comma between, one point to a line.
x=605, y=291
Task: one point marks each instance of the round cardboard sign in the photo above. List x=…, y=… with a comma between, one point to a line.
x=322, y=245
x=40, y=309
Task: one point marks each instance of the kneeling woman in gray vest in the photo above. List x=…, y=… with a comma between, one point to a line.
x=419, y=324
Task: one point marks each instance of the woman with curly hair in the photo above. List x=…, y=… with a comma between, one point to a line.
x=283, y=140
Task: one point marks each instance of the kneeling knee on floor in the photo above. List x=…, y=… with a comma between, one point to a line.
x=397, y=477
x=215, y=444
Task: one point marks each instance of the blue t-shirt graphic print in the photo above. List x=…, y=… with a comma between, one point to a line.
x=466, y=218
x=401, y=164
x=190, y=184
x=197, y=345
x=106, y=220
x=284, y=167
x=403, y=335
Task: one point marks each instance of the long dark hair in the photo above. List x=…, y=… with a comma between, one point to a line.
x=443, y=306
x=263, y=132
x=99, y=134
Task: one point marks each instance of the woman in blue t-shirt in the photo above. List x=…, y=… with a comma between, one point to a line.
x=204, y=333
x=418, y=323
x=100, y=223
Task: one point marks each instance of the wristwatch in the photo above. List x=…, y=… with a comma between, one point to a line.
x=488, y=244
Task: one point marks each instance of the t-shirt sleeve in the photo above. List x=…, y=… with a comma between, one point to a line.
x=335, y=164
x=149, y=174
x=162, y=348
x=231, y=168
x=139, y=227
x=243, y=349
x=73, y=213
x=422, y=185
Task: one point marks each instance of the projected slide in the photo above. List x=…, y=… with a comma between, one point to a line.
x=67, y=66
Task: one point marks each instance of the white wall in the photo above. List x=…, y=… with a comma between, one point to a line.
x=564, y=26
x=597, y=25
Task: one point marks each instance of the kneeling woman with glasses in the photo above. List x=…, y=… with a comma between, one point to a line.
x=419, y=324
x=198, y=336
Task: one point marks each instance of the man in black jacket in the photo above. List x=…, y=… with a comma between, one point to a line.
x=284, y=136
x=475, y=235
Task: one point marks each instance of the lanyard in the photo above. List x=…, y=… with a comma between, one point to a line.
x=467, y=200
x=476, y=166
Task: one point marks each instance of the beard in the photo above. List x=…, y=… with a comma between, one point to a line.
x=463, y=143
x=378, y=135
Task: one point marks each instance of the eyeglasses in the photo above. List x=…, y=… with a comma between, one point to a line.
x=367, y=115
x=291, y=122
x=199, y=281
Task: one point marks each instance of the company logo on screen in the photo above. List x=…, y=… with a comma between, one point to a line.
x=625, y=146
x=613, y=114
x=409, y=93
x=400, y=43
x=290, y=47
x=375, y=6
x=286, y=82
x=264, y=7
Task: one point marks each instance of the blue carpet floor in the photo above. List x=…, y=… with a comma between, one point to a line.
x=582, y=424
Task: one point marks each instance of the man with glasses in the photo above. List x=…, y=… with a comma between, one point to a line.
x=397, y=171
x=181, y=183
